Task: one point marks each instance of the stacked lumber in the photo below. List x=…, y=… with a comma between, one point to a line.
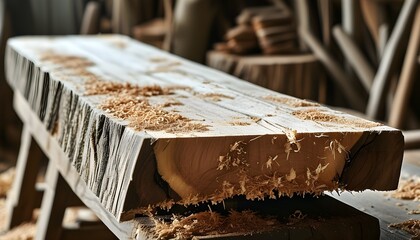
x=146, y=129
x=268, y=29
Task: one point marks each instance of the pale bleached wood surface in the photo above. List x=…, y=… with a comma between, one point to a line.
x=128, y=169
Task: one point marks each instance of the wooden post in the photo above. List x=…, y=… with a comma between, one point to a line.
x=382, y=77
x=354, y=97
x=20, y=202
x=406, y=81
x=354, y=57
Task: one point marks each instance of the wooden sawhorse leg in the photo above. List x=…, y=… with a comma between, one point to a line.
x=24, y=197
x=57, y=197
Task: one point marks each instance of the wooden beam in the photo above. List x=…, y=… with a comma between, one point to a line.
x=355, y=57
x=408, y=72
x=382, y=77
x=179, y=153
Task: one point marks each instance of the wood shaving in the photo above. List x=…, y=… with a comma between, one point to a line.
x=235, y=157
x=411, y=226
x=217, y=97
x=258, y=187
x=414, y=212
x=292, y=102
x=239, y=123
x=271, y=160
x=408, y=189
x=335, y=146
x=296, y=217
x=317, y=115
x=291, y=141
x=212, y=223
x=6, y=181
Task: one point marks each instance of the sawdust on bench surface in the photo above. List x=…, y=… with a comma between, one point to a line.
x=292, y=102
x=66, y=61
x=317, y=115
x=129, y=102
x=143, y=116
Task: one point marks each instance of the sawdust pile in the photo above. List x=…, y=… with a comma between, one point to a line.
x=24, y=231
x=143, y=116
x=411, y=226
x=318, y=115
x=101, y=87
x=129, y=102
x=292, y=102
x=409, y=189
x=212, y=223
x=66, y=61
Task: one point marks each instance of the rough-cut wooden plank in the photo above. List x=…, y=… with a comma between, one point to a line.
x=197, y=134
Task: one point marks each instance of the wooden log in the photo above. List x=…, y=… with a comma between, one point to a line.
x=383, y=75
x=407, y=78
x=155, y=129
x=289, y=74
